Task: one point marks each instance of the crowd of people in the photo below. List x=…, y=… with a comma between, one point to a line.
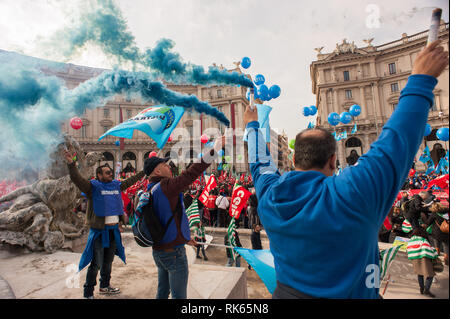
x=314, y=219
x=423, y=220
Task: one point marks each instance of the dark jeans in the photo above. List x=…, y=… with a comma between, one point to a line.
x=213, y=217
x=427, y=285
x=102, y=259
x=173, y=273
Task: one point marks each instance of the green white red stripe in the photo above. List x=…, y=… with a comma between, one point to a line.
x=418, y=247
x=387, y=256
x=406, y=226
x=193, y=214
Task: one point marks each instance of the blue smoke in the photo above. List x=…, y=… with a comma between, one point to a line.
x=33, y=105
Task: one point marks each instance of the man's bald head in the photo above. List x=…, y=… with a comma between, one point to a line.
x=313, y=148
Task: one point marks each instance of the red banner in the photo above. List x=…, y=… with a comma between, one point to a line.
x=205, y=194
x=238, y=201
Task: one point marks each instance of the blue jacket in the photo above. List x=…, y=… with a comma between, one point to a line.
x=164, y=212
x=323, y=231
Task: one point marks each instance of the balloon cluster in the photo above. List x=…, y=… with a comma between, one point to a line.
x=345, y=117
x=309, y=110
x=441, y=134
x=262, y=91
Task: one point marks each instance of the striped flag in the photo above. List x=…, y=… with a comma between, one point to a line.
x=193, y=214
x=419, y=247
x=386, y=257
x=231, y=235
x=406, y=226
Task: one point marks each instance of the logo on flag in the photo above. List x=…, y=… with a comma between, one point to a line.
x=210, y=185
x=238, y=201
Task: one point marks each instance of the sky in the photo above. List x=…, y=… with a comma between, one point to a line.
x=278, y=36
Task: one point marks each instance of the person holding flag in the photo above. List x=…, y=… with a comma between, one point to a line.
x=167, y=193
x=103, y=212
x=232, y=239
x=299, y=207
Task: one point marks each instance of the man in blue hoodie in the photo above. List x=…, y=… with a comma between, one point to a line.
x=323, y=228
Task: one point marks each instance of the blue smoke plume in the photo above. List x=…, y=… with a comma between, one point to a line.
x=33, y=104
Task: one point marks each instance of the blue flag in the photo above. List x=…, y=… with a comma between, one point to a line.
x=426, y=156
x=262, y=262
x=311, y=125
x=355, y=129
x=263, y=119
x=157, y=122
x=442, y=166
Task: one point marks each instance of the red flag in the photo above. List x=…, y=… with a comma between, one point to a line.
x=205, y=194
x=238, y=201
x=441, y=182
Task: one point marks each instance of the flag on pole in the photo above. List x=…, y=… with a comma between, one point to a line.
x=231, y=235
x=386, y=257
x=355, y=129
x=238, y=200
x=193, y=214
x=263, y=119
x=209, y=186
x=262, y=262
x=157, y=122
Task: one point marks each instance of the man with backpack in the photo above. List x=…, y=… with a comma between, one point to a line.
x=166, y=194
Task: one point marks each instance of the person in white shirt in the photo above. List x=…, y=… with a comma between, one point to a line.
x=222, y=204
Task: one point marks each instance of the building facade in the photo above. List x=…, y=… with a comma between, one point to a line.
x=231, y=100
x=373, y=77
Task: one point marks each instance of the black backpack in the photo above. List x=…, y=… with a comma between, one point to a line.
x=148, y=229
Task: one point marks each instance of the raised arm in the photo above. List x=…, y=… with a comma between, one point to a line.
x=75, y=176
x=263, y=169
x=379, y=175
x=131, y=181
x=181, y=183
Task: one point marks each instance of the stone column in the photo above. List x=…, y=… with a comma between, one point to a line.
x=363, y=114
x=366, y=143
x=139, y=160
x=335, y=101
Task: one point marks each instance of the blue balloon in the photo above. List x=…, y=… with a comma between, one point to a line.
x=345, y=117
x=200, y=155
x=263, y=90
x=312, y=110
x=274, y=91
x=221, y=153
x=333, y=119
x=306, y=111
x=246, y=62
x=355, y=110
x=117, y=143
x=259, y=79
x=428, y=130
x=442, y=134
